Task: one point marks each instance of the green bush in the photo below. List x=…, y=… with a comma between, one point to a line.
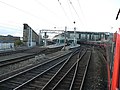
x=18, y=43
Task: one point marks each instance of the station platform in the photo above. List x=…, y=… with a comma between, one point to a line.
x=55, y=46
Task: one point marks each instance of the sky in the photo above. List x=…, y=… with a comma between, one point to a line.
x=88, y=15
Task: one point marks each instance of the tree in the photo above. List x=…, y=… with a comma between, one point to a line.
x=18, y=43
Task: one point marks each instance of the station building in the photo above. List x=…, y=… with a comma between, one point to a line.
x=81, y=37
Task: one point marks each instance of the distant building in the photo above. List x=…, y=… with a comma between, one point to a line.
x=81, y=36
x=30, y=37
x=7, y=42
x=8, y=39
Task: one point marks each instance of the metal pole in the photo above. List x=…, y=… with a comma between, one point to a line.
x=45, y=40
x=65, y=37
x=31, y=38
x=74, y=35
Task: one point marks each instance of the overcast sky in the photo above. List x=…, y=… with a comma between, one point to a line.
x=89, y=15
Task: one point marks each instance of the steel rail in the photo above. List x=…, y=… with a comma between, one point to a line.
x=51, y=60
x=44, y=88
x=23, y=84
x=77, y=73
x=76, y=69
x=15, y=60
x=72, y=67
x=25, y=72
x=31, y=65
x=86, y=69
x=75, y=64
x=19, y=59
x=4, y=53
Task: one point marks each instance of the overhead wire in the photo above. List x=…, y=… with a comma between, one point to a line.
x=63, y=10
x=9, y=24
x=17, y=8
x=82, y=12
x=10, y=28
x=73, y=16
x=80, y=7
x=30, y=14
x=74, y=8
x=75, y=11
x=26, y=12
x=70, y=11
x=37, y=1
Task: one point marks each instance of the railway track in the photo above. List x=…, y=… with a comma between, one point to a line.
x=5, y=53
x=37, y=84
x=29, y=50
x=71, y=78
x=16, y=60
x=81, y=71
x=62, y=71
x=16, y=81
x=19, y=59
x=10, y=52
x=33, y=52
x=65, y=73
